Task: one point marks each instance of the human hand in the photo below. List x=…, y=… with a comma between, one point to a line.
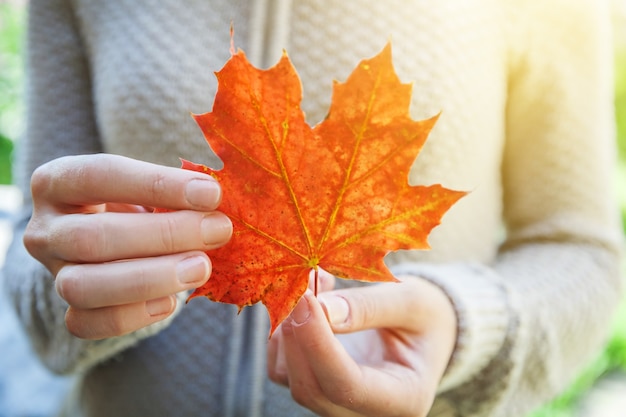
x=367, y=351
x=116, y=264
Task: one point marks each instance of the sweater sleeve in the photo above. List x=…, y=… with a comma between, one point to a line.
x=531, y=320
x=60, y=121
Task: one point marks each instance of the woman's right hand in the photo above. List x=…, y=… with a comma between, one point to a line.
x=116, y=264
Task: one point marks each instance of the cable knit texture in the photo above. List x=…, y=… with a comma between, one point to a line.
x=529, y=258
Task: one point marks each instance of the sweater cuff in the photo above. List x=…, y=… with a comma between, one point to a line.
x=483, y=317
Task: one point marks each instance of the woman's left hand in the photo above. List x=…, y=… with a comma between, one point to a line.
x=369, y=351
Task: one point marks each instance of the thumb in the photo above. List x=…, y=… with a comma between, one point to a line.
x=378, y=306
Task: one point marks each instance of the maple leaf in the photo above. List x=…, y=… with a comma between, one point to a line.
x=335, y=196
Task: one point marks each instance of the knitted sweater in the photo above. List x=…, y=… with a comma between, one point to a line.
x=529, y=258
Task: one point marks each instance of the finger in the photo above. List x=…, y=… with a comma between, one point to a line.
x=331, y=378
x=333, y=381
x=276, y=363
x=272, y=352
x=105, y=237
x=415, y=307
x=89, y=286
x=377, y=306
x=119, y=320
x=103, y=178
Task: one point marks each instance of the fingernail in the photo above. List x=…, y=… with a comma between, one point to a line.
x=160, y=306
x=192, y=269
x=205, y=194
x=301, y=312
x=216, y=229
x=336, y=308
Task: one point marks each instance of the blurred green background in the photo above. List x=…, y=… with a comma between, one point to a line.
x=11, y=73
x=613, y=359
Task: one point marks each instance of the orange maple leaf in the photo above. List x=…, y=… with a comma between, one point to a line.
x=334, y=197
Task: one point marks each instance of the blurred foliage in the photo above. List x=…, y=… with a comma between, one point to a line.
x=620, y=113
x=612, y=359
x=620, y=101
x=6, y=150
x=11, y=76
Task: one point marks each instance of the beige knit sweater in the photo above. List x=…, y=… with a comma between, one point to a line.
x=529, y=257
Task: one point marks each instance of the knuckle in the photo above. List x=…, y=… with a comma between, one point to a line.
x=77, y=325
x=157, y=187
x=41, y=180
x=35, y=239
x=72, y=324
x=40, y=245
x=97, y=324
x=167, y=232
x=142, y=284
x=117, y=322
x=48, y=178
x=302, y=394
x=85, y=239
